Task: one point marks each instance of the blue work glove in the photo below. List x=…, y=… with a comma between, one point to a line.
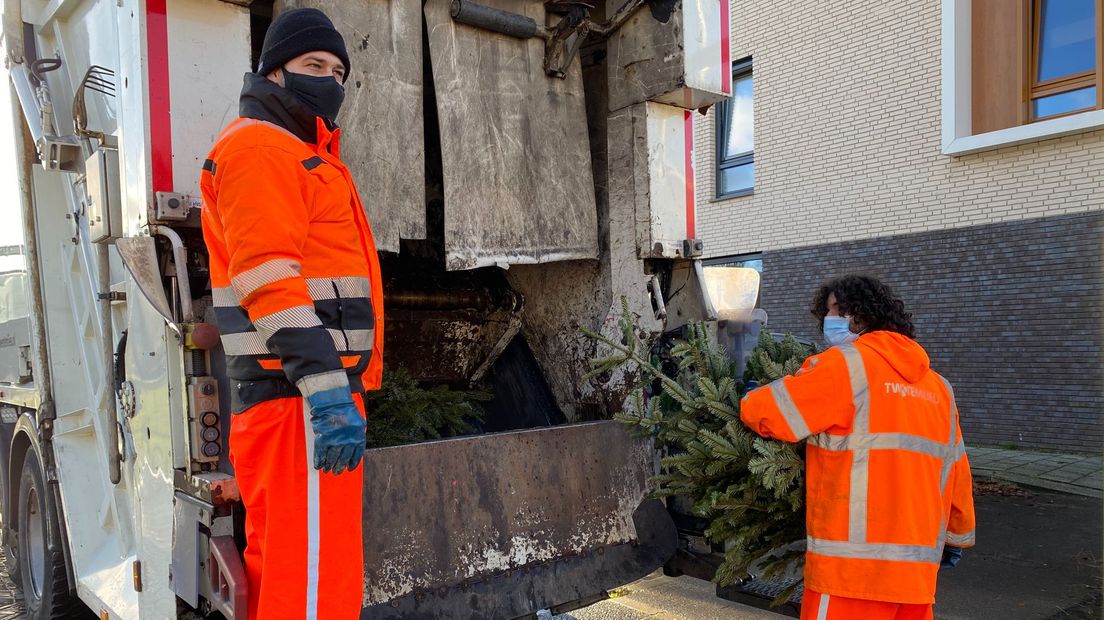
x=339, y=430
x=951, y=556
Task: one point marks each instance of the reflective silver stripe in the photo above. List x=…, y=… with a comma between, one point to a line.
x=883, y=441
x=225, y=297
x=874, y=551
x=347, y=286
x=294, y=317
x=958, y=452
x=313, y=384
x=952, y=441
x=960, y=540
x=789, y=410
x=860, y=456
x=361, y=339
x=312, y=518
x=253, y=343
x=266, y=273
x=318, y=289
x=244, y=343
x=822, y=607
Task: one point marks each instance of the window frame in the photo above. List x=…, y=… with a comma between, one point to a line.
x=1034, y=89
x=957, y=137
x=735, y=260
x=740, y=69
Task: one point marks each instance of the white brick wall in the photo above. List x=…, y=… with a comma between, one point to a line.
x=847, y=136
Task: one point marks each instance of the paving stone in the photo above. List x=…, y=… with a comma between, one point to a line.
x=1053, y=485
x=1031, y=469
x=1028, y=457
x=1094, y=482
x=1061, y=476
x=1084, y=468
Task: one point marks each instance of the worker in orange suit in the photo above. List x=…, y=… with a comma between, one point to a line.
x=889, y=496
x=298, y=300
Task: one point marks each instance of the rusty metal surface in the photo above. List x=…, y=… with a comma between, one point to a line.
x=381, y=120
x=448, y=516
x=518, y=181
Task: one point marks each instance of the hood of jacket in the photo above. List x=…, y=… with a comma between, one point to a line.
x=902, y=353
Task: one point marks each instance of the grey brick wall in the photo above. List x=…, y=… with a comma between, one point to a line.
x=1010, y=313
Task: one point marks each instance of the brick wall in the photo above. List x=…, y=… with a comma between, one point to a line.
x=847, y=136
x=1010, y=313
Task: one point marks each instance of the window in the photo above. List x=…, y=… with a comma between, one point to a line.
x=736, y=136
x=1023, y=62
x=750, y=261
x=1065, y=57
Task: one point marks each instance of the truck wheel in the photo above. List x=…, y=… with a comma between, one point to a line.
x=41, y=560
x=10, y=547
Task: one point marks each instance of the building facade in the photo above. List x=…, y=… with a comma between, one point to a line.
x=850, y=146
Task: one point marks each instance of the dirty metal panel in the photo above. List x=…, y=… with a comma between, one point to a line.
x=651, y=167
x=680, y=62
x=208, y=44
x=382, y=137
x=671, y=204
x=518, y=181
x=447, y=347
x=566, y=583
x=15, y=350
x=454, y=515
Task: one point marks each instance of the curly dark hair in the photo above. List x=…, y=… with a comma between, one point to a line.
x=866, y=299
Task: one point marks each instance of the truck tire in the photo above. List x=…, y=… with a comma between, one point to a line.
x=10, y=547
x=41, y=559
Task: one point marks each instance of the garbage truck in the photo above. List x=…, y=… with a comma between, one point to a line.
x=527, y=168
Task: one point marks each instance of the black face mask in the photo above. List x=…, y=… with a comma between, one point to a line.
x=324, y=95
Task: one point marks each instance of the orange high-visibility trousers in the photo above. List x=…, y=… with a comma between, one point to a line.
x=304, y=549
x=817, y=606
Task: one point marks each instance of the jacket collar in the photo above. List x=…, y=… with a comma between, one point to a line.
x=265, y=100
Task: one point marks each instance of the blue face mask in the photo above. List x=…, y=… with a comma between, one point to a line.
x=837, y=330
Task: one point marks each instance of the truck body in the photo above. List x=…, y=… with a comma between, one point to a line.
x=527, y=170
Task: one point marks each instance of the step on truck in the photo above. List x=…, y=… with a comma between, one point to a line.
x=527, y=167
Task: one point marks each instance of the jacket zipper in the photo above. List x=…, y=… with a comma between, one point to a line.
x=340, y=313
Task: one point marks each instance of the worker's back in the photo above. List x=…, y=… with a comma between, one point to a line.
x=887, y=479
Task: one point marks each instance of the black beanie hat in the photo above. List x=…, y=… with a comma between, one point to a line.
x=296, y=32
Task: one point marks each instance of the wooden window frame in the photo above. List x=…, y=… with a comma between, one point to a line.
x=740, y=69
x=1033, y=89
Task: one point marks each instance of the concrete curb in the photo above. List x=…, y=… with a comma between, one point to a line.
x=1075, y=474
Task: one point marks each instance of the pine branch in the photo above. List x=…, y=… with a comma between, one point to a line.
x=750, y=489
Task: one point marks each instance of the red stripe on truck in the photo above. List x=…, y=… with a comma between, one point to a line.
x=160, y=119
x=688, y=155
x=726, y=51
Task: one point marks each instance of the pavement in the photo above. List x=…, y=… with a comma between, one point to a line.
x=1079, y=474
x=1038, y=555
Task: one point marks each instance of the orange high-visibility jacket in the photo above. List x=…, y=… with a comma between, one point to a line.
x=887, y=478
x=296, y=281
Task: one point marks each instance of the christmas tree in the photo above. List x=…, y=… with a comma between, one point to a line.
x=750, y=489
x=402, y=411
